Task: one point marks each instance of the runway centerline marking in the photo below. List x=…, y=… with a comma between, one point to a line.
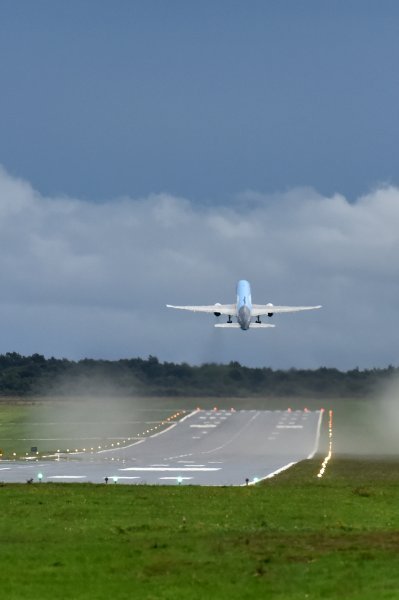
x=238, y=433
x=66, y=476
x=161, y=469
x=176, y=478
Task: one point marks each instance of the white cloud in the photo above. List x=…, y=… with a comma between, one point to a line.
x=80, y=278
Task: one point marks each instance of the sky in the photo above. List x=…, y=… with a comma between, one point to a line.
x=156, y=152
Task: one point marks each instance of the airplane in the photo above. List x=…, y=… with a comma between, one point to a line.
x=244, y=310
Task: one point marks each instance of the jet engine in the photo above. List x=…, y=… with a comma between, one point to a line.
x=270, y=314
x=217, y=314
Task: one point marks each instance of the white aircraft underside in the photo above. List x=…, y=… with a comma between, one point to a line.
x=243, y=310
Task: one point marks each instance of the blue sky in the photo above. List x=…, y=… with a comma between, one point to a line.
x=155, y=152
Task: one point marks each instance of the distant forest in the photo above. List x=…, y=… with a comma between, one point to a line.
x=27, y=376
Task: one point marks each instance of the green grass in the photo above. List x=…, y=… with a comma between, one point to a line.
x=294, y=536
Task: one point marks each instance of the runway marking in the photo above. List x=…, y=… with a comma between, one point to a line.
x=176, y=478
x=202, y=426
x=148, y=469
x=289, y=426
x=127, y=477
x=284, y=468
x=159, y=465
x=238, y=433
x=66, y=476
x=316, y=445
x=119, y=447
x=5, y=468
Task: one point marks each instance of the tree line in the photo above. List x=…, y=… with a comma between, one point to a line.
x=35, y=375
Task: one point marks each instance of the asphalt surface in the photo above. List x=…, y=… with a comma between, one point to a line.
x=204, y=448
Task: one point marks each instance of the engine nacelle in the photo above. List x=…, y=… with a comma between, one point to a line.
x=271, y=313
x=217, y=314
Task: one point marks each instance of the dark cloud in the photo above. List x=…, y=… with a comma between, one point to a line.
x=86, y=279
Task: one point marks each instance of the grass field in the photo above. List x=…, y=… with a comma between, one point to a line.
x=294, y=536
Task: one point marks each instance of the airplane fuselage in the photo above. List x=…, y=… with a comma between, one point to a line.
x=244, y=304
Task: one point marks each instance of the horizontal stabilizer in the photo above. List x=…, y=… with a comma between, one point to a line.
x=252, y=326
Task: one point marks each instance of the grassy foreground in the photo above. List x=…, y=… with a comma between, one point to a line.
x=291, y=537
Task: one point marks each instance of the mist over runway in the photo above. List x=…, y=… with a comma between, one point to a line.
x=206, y=447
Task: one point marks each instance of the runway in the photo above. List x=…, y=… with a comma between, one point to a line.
x=215, y=447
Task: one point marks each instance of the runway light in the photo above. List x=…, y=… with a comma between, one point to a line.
x=115, y=479
x=180, y=480
x=256, y=480
x=330, y=440
x=40, y=476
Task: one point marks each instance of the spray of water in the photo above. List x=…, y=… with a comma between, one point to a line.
x=369, y=426
x=90, y=412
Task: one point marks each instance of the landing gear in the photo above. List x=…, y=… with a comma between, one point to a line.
x=258, y=320
x=229, y=319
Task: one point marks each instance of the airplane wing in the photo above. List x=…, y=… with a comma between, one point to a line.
x=264, y=309
x=223, y=309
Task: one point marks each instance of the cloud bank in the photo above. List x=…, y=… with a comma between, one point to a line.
x=92, y=279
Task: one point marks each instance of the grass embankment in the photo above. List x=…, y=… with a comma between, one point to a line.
x=291, y=537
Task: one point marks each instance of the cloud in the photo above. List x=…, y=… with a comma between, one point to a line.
x=92, y=279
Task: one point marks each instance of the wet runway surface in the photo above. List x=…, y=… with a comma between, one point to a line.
x=214, y=447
